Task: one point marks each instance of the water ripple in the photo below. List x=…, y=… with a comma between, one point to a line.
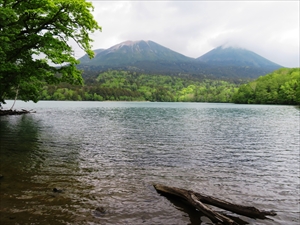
x=110, y=154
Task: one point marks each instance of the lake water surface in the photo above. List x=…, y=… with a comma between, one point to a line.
x=109, y=155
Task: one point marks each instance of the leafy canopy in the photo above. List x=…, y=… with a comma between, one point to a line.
x=279, y=87
x=132, y=86
x=35, y=46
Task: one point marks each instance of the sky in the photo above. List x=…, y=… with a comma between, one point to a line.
x=193, y=28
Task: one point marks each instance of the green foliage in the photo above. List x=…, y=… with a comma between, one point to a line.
x=131, y=86
x=280, y=87
x=35, y=34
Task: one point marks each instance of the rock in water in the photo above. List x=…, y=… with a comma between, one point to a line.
x=57, y=190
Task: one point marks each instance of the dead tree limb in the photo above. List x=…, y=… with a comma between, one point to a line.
x=196, y=199
x=248, y=211
x=15, y=112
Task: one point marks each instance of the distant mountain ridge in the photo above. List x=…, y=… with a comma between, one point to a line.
x=229, y=56
x=150, y=57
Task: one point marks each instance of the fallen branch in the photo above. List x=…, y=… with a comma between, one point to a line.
x=15, y=112
x=196, y=199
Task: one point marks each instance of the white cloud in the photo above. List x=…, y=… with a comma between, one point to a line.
x=192, y=28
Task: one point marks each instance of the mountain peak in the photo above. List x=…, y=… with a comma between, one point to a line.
x=226, y=55
x=129, y=52
x=128, y=44
x=230, y=45
x=148, y=56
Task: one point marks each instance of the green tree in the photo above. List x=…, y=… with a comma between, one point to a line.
x=288, y=91
x=279, y=87
x=35, y=46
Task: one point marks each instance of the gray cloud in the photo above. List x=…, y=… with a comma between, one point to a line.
x=192, y=28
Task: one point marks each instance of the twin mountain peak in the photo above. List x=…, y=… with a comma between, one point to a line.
x=150, y=57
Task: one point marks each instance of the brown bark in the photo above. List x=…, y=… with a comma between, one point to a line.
x=196, y=199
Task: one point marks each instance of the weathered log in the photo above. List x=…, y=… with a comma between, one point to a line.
x=248, y=211
x=15, y=112
x=197, y=200
x=192, y=199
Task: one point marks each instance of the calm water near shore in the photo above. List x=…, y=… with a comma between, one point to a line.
x=108, y=155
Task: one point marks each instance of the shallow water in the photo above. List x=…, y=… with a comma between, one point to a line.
x=109, y=155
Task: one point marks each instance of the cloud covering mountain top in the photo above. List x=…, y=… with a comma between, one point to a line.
x=192, y=28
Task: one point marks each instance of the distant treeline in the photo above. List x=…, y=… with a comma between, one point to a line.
x=279, y=87
x=131, y=86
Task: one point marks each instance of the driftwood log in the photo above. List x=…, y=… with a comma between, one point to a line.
x=197, y=200
x=15, y=112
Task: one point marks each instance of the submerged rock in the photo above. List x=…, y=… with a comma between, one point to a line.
x=99, y=211
x=57, y=190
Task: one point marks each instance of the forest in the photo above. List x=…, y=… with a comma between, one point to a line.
x=279, y=87
x=131, y=86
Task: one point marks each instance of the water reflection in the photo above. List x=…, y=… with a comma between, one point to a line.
x=32, y=165
x=19, y=143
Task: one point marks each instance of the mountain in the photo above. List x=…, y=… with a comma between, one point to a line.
x=150, y=57
x=131, y=52
x=238, y=57
x=86, y=59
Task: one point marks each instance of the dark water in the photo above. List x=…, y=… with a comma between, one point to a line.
x=109, y=155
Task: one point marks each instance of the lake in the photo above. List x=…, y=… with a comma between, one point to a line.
x=108, y=155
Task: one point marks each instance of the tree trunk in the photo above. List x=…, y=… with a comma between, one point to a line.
x=17, y=92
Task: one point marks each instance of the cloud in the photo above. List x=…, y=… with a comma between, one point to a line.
x=192, y=28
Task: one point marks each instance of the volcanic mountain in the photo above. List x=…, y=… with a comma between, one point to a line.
x=230, y=56
x=131, y=52
x=150, y=57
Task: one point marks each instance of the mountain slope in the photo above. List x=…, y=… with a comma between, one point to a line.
x=85, y=59
x=130, y=52
x=238, y=57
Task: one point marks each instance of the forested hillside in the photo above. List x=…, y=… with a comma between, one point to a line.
x=280, y=87
x=132, y=86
